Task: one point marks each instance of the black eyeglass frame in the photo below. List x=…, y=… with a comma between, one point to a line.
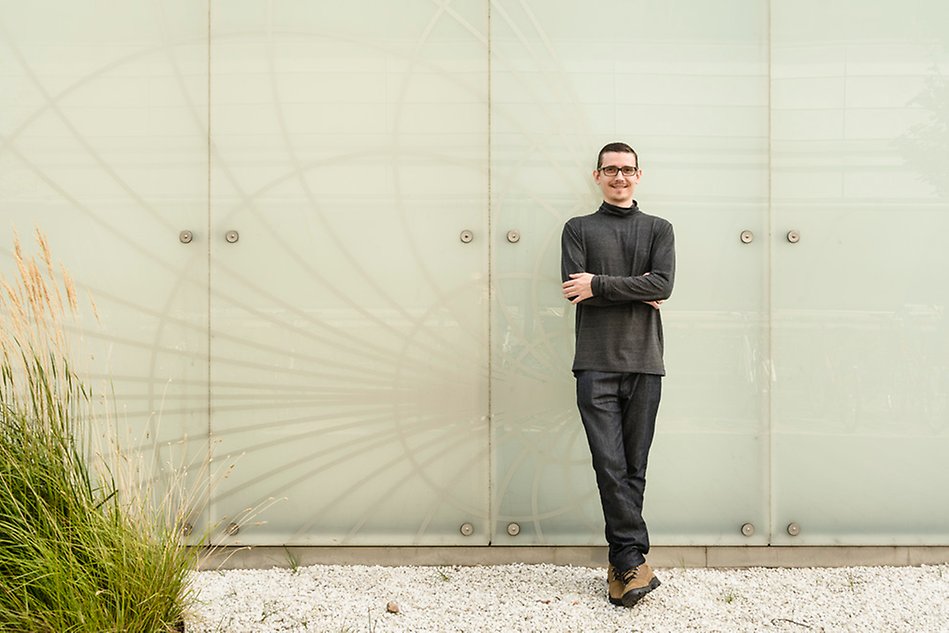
x=623, y=170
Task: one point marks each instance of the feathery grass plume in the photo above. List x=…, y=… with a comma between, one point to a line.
x=78, y=552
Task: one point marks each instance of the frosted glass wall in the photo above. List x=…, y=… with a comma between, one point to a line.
x=860, y=424
x=366, y=320
x=103, y=148
x=349, y=322
x=687, y=85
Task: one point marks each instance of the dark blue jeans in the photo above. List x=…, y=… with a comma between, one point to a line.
x=619, y=415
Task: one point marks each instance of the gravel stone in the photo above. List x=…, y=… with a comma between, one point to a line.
x=552, y=598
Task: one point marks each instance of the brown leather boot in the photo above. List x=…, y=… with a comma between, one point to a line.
x=636, y=583
x=616, y=586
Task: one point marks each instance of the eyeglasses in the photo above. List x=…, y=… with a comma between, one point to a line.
x=612, y=170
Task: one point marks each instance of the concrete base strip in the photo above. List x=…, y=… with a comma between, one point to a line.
x=266, y=557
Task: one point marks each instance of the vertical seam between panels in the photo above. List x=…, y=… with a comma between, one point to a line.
x=769, y=278
x=490, y=267
x=208, y=239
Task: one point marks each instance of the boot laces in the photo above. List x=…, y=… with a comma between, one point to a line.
x=630, y=574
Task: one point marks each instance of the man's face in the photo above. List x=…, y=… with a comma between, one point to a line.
x=618, y=189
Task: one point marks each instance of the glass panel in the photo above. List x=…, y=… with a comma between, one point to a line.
x=860, y=328
x=687, y=85
x=349, y=322
x=350, y=354
x=104, y=149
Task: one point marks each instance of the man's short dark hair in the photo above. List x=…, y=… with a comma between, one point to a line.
x=616, y=147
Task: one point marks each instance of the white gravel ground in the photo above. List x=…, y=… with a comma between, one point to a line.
x=353, y=599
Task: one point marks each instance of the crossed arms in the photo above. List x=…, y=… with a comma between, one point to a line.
x=652, y=287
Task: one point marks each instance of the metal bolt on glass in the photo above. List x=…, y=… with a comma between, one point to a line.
x=467, y=529
x=746, y=237
x=185, y=237
x=513, y=236
x=466, y=236
x=794, y=529
x=513, y=529
x=232, y=236
x=748, y=529
x=232, y=529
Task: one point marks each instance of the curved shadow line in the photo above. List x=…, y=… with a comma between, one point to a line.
x=306, y=166
x=299, y=174
x=434, y=442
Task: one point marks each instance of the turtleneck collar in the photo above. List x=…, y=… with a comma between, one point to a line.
x=612, y=209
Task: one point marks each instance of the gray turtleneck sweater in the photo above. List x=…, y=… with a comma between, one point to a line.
x=615, y=330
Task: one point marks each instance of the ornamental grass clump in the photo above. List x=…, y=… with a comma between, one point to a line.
x=77, y=552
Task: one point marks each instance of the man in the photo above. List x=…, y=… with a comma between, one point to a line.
x=618, y=266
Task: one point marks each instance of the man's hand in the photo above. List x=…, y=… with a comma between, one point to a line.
x=655, y=304
x=578, y=287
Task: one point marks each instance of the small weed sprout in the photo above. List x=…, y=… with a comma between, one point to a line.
x=292, y=560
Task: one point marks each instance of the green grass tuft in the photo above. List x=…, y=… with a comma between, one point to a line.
x=77, y=554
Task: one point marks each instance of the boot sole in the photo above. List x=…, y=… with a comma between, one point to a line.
x=631, y=597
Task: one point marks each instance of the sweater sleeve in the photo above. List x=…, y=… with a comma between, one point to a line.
x=572, y=257
x=657, y=285
x=573, y=260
